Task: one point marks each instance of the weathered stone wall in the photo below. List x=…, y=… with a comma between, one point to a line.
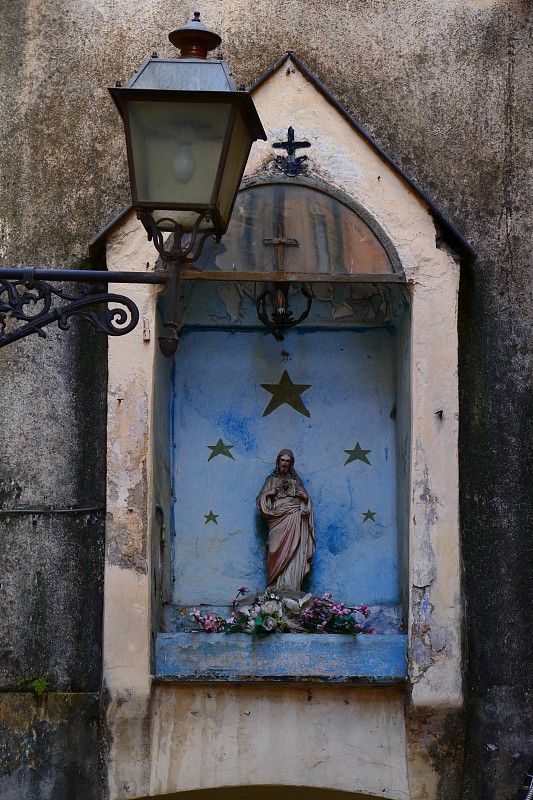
x=52, y=407
x=444, y=87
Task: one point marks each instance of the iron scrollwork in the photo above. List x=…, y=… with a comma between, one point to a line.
x=281, y=319
x=182, y=244
x=31, y=302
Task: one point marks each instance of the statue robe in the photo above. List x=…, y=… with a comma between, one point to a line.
x=291, y=541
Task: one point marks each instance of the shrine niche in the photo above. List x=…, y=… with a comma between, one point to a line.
x=363, y=392
x=329, y=388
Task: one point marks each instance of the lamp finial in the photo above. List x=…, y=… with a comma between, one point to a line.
x=194, y=39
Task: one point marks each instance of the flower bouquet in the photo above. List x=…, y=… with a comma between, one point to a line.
x=285, y=612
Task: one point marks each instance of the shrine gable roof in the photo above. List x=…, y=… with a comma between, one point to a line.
x=446, y=229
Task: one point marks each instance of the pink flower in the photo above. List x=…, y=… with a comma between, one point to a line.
x=243, y=590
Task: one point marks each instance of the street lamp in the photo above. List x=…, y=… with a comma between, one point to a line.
x=188, y=137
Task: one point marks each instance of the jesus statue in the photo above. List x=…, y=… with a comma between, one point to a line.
x=287, y=507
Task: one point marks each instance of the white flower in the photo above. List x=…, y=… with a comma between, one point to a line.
x=269, y=624
x=292, y=605
x=270, y=607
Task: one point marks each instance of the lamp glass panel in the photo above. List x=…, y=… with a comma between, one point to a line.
x=176, y=150
x=238, y=151
x=180, y=74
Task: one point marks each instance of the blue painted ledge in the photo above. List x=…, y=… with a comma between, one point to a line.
x=331, y=658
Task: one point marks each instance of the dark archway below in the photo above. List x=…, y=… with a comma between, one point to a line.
x=267, y=792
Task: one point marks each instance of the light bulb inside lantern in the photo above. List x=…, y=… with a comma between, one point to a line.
x=280, y=302
x=184, y=166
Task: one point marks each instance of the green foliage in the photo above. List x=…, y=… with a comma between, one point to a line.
x=33, y=683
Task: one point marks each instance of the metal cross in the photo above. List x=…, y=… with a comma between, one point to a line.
x=293, y=163
x=279, y=243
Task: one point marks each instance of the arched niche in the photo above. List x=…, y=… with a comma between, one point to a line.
x=331, y=233
x=347, y=432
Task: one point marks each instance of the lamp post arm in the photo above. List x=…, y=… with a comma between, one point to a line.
x=28, y=294
x=28, y=275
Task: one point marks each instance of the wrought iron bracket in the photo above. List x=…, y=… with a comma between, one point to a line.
x=27, y=297
x=29, y=301
x=281, y=318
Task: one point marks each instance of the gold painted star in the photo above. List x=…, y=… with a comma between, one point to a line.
x=371, y=515
x=211, y=518
x=357, y=454
x=220, y=449
x=286, y=392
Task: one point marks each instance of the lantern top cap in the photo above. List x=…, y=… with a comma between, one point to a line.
x=194, y=39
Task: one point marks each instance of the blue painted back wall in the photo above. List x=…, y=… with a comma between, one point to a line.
x=218, y=395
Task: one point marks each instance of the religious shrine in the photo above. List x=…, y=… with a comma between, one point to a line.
x=292, y=473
